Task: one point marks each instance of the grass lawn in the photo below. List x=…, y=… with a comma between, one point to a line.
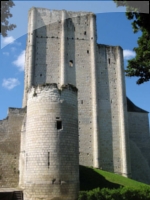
x=91, y=178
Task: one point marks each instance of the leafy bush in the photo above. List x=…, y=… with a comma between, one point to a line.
x=122, y=193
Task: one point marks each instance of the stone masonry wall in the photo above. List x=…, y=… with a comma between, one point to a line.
x=140, y=135
x=10, y=130
x=62, y=49
x=51, y=157
x=110, y=91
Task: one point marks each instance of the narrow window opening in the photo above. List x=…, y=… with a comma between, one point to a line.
x=84, y=32
x=48, y=159
x=88, y=51
x=59, y=125
x=71, y=63
x=40, y=74
x=109, y=60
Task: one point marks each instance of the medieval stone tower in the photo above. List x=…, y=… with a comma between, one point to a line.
x=75, y=111
x=62, y=49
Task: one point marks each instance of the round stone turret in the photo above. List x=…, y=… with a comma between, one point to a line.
x=52, y=143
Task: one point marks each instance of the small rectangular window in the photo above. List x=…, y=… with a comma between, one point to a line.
x=59, y=125
x=71, y=63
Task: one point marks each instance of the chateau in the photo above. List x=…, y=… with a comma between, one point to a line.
x=75, y=111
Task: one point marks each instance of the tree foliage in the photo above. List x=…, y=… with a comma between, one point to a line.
x=5, y=15
x=140, y=65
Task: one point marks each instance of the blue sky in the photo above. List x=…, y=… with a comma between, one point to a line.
x=113, y=28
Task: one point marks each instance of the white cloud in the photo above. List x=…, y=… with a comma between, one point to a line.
x=6, y=53
x=8, y=40
x=19, y=62
x=10, y=83
x=128, y=54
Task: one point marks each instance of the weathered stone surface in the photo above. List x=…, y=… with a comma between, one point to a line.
x=74, y=88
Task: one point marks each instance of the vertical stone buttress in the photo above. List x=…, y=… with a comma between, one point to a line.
x=63, y=50
x=22, y=159
x=30, y=53
x=52, y=164
x=124, y=137
x=94, y=92
x=31, y=46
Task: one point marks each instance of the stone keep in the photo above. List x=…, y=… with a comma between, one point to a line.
x=62, y=49
x=73, y=88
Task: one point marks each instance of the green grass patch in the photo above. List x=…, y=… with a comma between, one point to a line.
x=91, y=178
x=97, y=184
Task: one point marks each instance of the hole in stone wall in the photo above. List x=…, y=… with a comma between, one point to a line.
x=84, y=32
x=87, y=51
x=59, y=125
x=40, y=74
x=109, y=60
x=48, y=159
x=71, y=63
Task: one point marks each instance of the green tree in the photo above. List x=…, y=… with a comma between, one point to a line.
x=5, y=15
x=140, y=65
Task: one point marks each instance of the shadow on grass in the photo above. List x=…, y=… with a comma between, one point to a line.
x=89, y=179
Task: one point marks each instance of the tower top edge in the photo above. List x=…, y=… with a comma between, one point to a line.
x=109, y=46
x=63, y=10
x=54, y=85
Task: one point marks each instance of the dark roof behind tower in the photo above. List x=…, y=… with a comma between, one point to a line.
x=131, y=107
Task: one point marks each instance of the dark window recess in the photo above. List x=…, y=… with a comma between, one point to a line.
x=87, y=51
x=109, y=60
x=84, y=32
x=57, y=117
x=71, y=63
x=59, y=125
x=40, y=74
x=48, y=159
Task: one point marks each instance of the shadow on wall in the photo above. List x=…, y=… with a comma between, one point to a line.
x=15, y=195
x=90, y=179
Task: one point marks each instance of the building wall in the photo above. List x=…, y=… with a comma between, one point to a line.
x=62, y=49
x=10, y=133
x=52, y=155
x=140, y=136
x=112, y=110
